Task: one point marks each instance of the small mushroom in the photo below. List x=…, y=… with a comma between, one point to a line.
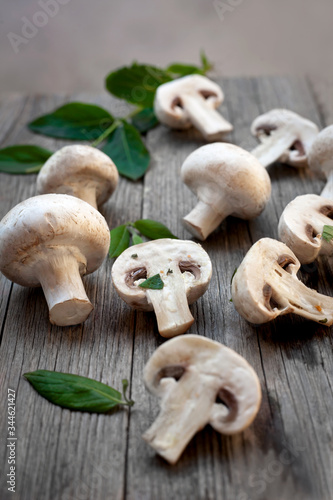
x=228, y=181
x=199, y=382
x=51, y=241
x=184, y=268
x=285, y=136
x=302, y=221
x=192, y=101
x=266, y=286
x=81, y=171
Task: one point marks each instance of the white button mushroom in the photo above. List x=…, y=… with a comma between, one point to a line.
x=228, y=181
x=184, y=268
x=266, y=286
x=192, y=101
x=199, y=382
x=81, y=171
x=285, y=136
x=51, y=241
x=302, y=221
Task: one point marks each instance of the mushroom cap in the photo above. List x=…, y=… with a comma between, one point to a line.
x=42, y=223
x=320, y=156
x=74, y=167
x=303, y=129
x=233, y=378
x=157, y=257
x=168, y=99
x=301, y=225
x=226, y=175
x=255, y=278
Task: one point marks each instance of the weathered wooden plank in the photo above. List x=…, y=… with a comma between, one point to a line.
x=271, y=459
x=64, y=454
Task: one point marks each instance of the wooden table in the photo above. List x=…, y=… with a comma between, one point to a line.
x=285, y=455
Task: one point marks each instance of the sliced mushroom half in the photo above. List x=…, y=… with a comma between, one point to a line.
x=185, y=270
x=199, y=382
x=266, y=286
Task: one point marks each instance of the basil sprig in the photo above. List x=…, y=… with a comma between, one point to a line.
x=76, y=392
x=154, y=283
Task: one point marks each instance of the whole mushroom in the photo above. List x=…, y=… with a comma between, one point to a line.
x=228, y=181
x=81, y=171
x=192, y=101
x=190, y=374
x=265, y=286
x=302, y=221
x=51, y=241
x=185, y=270
x=285, y=136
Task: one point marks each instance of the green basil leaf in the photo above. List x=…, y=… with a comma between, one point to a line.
x=144, y=120
x=153, y=229
x=120, y=240
x=23, y=159
x=127, y=150
x=137, y=83
x=76, y=120
x=154, y=283
x=137, y=239
x=75, y=392
x=180, y=69
x=327, y=234
x=205, y=63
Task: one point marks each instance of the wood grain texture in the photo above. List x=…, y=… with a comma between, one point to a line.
x=285, y=455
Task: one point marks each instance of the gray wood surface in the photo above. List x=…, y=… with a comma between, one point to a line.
x=287, y=452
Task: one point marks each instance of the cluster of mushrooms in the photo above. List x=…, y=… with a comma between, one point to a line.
x=55, y=238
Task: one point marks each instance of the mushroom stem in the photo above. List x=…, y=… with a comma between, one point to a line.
x=171, y=306
x=184, y=411
x=207, y=120
x=292, y=295
x=203, y=219
x=87, y=194
x=59, y=275
x=273, y=146
x=327, y=192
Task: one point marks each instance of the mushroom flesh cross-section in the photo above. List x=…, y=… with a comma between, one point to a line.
x=228, y=181
x=192, y=101
x=285, y=136
x=185, y=270
x=266, y=286
x=199, y=382
x=81, y=171
x=302, y=221
x=52, y=240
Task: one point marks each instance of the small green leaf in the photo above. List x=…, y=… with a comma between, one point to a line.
x=75, y=392
x=23, y=159
x=137, y=239
x=144, y=120
x=327, y=234
x=137, y=83
x=127, y=150
x=134, y=255
x=120, y=240
x=206, y=64
x=154, y=283
x=125, y=387
x=152, y=229
x=180, y=69
x=323, y=320
x=76, y=120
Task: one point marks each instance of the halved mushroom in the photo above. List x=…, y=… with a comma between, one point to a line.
x=266, y=286
x=200, y=382
x=228, y=181
x=81, y=171
x=285, y=136
x=192, y=101
x=51, y=241
x=302, y=221
x=185, y=270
